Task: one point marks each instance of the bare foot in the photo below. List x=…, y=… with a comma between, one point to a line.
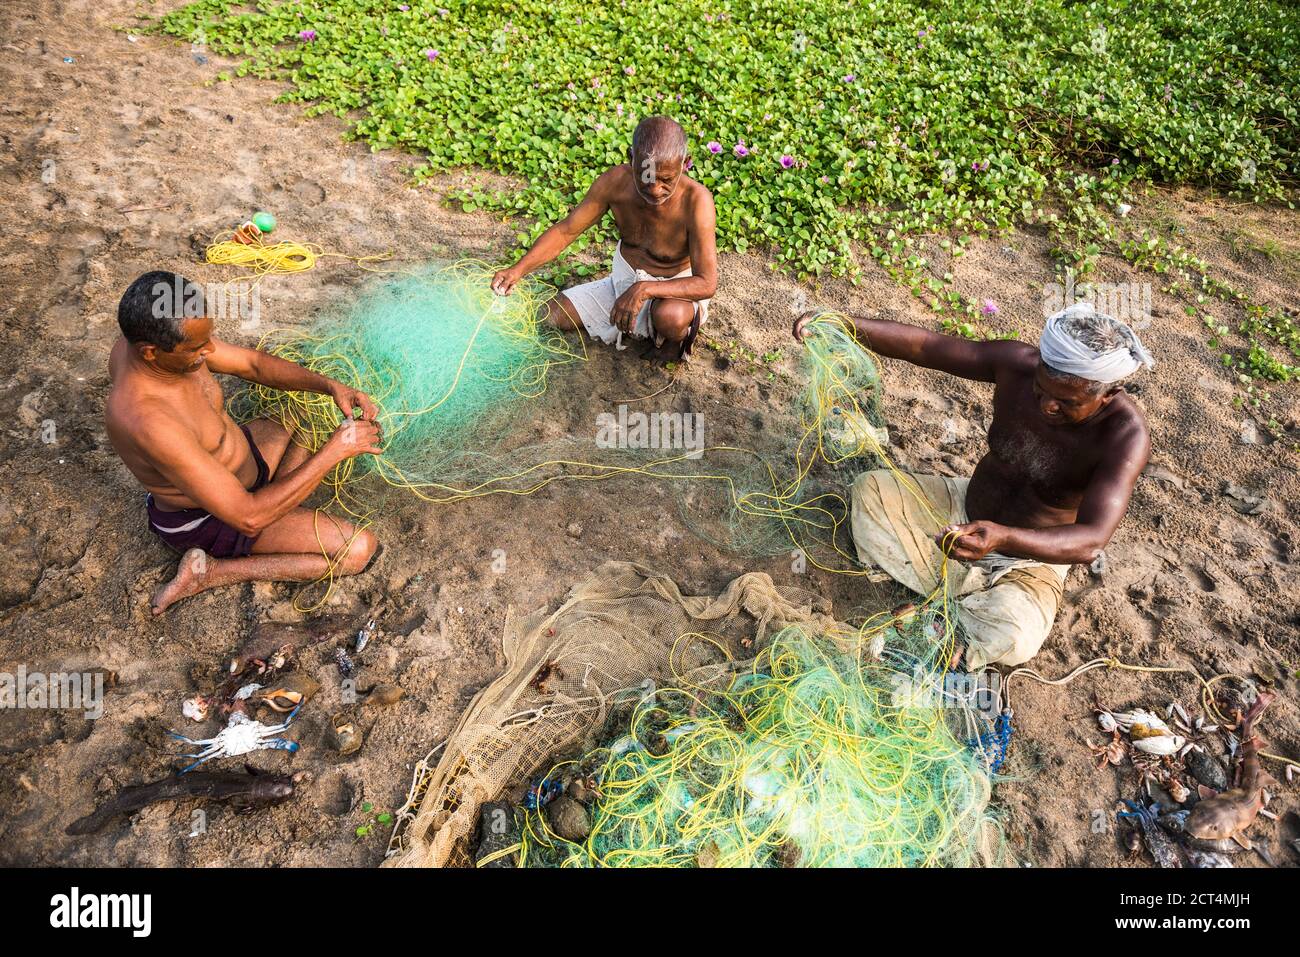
x=190, y=573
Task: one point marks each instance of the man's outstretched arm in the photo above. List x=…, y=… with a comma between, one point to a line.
x=558, y=237
x=253, y=365
x=952, y=354
x=1105, y=501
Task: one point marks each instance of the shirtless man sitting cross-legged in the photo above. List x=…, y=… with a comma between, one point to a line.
x=666, y=264
x=226, y=495
x=1066, y=447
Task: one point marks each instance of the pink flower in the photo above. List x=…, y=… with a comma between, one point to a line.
x=714, y=147
x=787, y=160
x=741, y=150
x=403, y=7
x=307, y=35
x=630, y=70
x=432, y=55
x=990, y=308
x=849, y=77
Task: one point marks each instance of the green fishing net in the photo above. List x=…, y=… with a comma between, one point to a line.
x=822, y=751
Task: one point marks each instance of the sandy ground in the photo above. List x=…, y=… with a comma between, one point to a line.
x=124, y=160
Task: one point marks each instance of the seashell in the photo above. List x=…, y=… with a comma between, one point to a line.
x=382, y=696
x=290, y=692
x=568, y=818
x=346, y=737
x=1107, y=721
x=1142, y=730
x=1161, y=744
x=1127, y=719
x=1178, y=790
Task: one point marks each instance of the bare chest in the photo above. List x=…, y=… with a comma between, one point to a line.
x=204, y=406
x=1058, y=469
x=661, y=241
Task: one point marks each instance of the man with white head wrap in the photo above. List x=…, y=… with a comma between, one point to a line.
x=1081, y=342
x=1066, y=447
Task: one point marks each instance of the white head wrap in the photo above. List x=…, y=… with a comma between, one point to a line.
x=1063, y=352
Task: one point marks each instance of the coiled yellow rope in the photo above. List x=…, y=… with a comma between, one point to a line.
x=279, y=258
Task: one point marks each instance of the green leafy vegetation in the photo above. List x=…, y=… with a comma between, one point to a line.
x=894, y=118
x=382, y=819
x=827, y=129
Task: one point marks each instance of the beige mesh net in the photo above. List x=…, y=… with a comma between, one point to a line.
x=614, y=630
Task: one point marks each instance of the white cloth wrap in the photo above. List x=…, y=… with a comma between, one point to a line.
x=1063, y=352
x=594, y=302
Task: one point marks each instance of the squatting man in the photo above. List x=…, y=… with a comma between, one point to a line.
x=227, y=496
x=1066, y=447
x=665, y=267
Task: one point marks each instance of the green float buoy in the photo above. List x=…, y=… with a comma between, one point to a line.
x=265, y=222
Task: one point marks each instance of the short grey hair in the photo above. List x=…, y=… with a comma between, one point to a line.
x=659, y=137
x=1096, y=330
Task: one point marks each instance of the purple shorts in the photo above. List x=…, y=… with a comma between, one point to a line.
x=197, y=528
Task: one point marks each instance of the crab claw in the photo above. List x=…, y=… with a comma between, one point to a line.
x=1134, y=810
x=202, y=758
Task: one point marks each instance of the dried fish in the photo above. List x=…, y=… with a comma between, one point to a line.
x=242, y=789
x=1162, y=848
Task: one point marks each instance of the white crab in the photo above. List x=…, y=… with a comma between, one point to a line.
x=240, y=736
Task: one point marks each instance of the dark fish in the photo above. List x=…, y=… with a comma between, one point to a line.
x=240, y=789
x=1161, y=846
x=271, y=637
x=1206, y=769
